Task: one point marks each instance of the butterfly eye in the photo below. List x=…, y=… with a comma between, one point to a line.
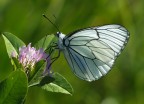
x=57, y=34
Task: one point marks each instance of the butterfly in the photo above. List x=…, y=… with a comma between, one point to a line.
x=91, y=52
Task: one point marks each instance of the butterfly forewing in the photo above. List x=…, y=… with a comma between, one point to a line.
x=91, y=52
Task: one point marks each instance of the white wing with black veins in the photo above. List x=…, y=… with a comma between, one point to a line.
x=91, y=52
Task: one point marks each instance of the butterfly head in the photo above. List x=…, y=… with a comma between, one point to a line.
x=60, y=40
x=58, y=34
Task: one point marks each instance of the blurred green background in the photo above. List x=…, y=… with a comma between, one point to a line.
x=124, y=84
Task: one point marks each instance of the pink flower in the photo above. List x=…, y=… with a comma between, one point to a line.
x=29, y=56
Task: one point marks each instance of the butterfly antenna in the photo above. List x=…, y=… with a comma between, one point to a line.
x=54, y=16
x=51, y=22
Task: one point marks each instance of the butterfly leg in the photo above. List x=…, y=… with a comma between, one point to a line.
x=54, y=58
x=51, y=50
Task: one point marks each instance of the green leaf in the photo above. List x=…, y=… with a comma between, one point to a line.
x=12, y=43
x=13, y=89
x=16, y=64
x=45, y=42
x=60, y=84
x=46, y=80
x=36, y=74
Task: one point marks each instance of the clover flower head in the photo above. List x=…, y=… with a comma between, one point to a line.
x=29, y=56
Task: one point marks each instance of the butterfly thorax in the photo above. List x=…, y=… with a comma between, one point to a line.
x=60, y=41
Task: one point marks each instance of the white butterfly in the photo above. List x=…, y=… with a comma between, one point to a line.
x=91, y=52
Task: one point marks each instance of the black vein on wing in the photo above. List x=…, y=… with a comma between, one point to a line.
x=98, y=68
x=124, y=30
x=112, y=36
x=121, y=34
x=92, y=52
x=87, y=57
x=82, y=65
x=89, y=68
x=101, y=53
x=70, y=59
x=78, y=66
x=74, y=70
x=81, y=36
x=108, y=45
x=111, y=41
x=103, y=67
